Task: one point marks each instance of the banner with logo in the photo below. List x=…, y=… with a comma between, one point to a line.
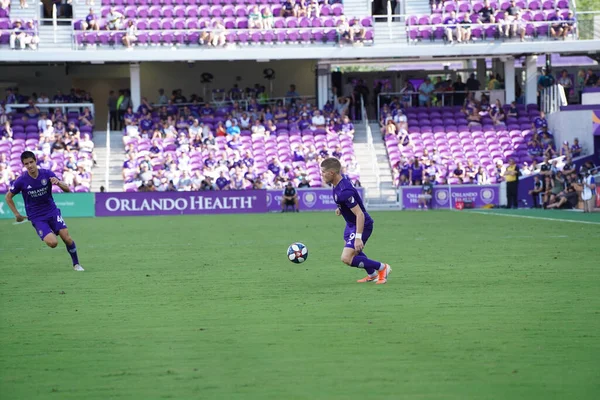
x=178, y=203
x=70, y=204
x=446, y=196
x=317, y=199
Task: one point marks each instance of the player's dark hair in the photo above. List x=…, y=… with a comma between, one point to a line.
x=332, y=164
x=27, y=154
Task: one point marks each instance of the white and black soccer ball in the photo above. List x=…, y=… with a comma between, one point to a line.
x=297, y=253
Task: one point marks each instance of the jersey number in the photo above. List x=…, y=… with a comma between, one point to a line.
x=60, y=219
x=352, y=235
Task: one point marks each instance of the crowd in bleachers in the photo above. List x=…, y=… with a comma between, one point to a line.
x=173, y=146
x=468, y=20
x=179, y=22
x=62, y=141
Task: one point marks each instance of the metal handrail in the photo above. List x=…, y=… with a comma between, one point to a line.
x=63, y=106
x=370, y=145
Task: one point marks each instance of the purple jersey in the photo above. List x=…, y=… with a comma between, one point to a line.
x=346, y=197
x=37, y=194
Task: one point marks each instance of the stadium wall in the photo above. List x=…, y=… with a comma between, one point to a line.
x=571, y=124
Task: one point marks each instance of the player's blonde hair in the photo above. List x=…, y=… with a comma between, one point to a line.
x=332, y=164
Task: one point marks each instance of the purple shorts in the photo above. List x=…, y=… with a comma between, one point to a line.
x=52, y=223
x=350, y=231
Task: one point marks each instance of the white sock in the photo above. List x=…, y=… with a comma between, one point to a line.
x=381, y=267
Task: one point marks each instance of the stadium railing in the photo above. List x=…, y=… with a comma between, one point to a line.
x=370, y=147
x=446, y=97
x=552, y=98
x=107, y=167
x=227, y=101
x=65, y=107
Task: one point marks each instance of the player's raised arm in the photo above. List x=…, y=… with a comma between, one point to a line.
x=13, y=207
x=64, y=187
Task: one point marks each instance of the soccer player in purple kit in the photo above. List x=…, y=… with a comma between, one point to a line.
x=36, y=187
x=359, y=224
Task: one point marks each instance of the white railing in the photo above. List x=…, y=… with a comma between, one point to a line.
x=65, y=107
x=370, y=145
x=552, y=98
x=107, y=168
x=54, y=23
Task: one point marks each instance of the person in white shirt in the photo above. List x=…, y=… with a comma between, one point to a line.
x=244, y=121
x=130, y=35
x=318, y=121
x=401, y=120
x=114, y=19
x=258, y=128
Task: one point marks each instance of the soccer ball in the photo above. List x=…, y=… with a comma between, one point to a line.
x=297, y=253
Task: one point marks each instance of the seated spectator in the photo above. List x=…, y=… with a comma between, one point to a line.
x=357, y=30
x=513, y=112
x=538, y=188
x=404, y=139
x=300, y=8
x=86, y=118
x=130, y=35
x=452, y=28
x=313, y=9
x=466, y=30
x=539, y=123
x=255, y=19
x=317, y=121
x=288, y=8
x=556, y=27
x=487, y=15
x=426, y=192
x=114, y=20
x=290, y=198
x=347, y=127
x=267, y=18
x=568, y=25
x=390, y=129
x=344, y=31
x=5, y=4
x=519, y=27
x=25, y=35
x=218, y=34
x=481, y=177
x=575, y=148
x=474, y=118
x=91, y=22
x=497, y=113
x=510, y=14
x=31, y=110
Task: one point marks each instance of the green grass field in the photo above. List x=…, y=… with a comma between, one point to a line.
x=208, y=307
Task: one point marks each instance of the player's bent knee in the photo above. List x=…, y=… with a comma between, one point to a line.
x=346, y=259
x=51, y=242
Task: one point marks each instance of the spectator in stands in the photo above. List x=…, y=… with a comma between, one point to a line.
x=591, y=79
x=86, y=118
x=568, y=25
x=23, y=4
x=481, y=177
x=452, y=28
x=575, y=148
x=472, y=83
x=497, y=113
x=344, y=31
x=539, y=123
x=556, y=27
x=510, y=14
x=313, y=9
x=358, y=30
x=288, y=8
x=162, y=98
x=425, y=93
x=91, y=22
x=5, y=4
x=255, y=19
x=415, y=173
x=569, y=167
x=318, y=121
x=130, y=35
x=474, y=119
x=114, y=20
x=218, y=34
x=588, y=194
x=487, y=15
x=267, y=18
x=565, y=81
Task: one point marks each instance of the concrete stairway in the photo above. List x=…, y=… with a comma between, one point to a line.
x=115, y=164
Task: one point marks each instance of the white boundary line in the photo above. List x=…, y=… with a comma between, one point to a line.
x=540, y=218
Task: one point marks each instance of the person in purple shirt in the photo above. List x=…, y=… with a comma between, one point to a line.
x=36, y=187
x=575, y=148
x=222, y=182
x=540, y=122
x=416, y=172
x=359, y=224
